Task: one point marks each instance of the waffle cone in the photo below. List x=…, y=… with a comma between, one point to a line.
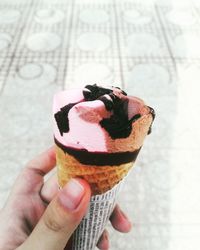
x=100, y=178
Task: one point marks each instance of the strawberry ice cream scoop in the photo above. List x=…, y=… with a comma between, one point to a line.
x=98, y=119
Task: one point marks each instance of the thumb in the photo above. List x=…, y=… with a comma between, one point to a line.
x=61, y=217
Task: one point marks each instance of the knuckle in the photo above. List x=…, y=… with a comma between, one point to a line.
x=32, y=163
x=51, y=223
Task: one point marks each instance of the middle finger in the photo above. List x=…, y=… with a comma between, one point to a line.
x=49, y=189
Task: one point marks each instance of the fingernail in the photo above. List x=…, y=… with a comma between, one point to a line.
x=72, y=194
x=105, y=235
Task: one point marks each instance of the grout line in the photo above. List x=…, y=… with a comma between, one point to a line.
x=118, y=45
x=109, y=57
x=19, y=35
x=165, y=37
x=61, y=69
x=196, y=11
x=68, y=44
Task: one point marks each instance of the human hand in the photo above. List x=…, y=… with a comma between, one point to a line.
x=38, y=215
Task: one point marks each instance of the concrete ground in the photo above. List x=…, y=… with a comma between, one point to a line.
x=149, y=48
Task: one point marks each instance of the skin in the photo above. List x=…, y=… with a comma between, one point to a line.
x=36, y=215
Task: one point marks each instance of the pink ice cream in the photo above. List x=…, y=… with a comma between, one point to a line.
x=85, y=114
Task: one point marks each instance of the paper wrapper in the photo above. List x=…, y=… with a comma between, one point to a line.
x=91, y=227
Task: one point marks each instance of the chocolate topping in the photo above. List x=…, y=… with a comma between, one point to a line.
x=107, y=102
x=95, y=92
x=99, y=158
x=117, y=125
x=118, y=128
x=61, y=118
x=152, y=111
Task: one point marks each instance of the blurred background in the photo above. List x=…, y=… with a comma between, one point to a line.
x=149, y=48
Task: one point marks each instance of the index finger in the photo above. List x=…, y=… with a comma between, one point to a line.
x=43, y=163
x=31, y=177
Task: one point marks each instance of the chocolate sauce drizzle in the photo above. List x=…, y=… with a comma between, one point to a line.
x=117, y=125
x=152, y=111
x=99, y=158
x=62, y=119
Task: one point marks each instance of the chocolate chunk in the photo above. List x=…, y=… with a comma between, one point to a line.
x=107, y=102
x=118, y=128
x=95, y=92
x=115, y=127
x=135, y=117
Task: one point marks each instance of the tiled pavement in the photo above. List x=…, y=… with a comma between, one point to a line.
x=151, y=49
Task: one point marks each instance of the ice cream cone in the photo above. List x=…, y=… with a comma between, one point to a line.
x=92, y=225
x=98, y=134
